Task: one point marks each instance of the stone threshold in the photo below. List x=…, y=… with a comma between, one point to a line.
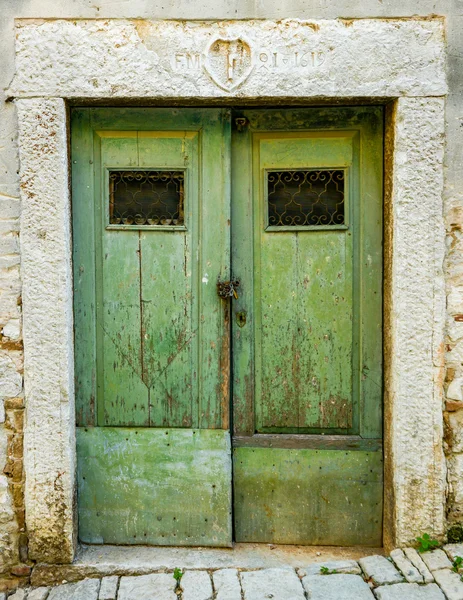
x=101, y=561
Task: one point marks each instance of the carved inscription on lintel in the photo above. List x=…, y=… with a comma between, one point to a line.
x=230, y=61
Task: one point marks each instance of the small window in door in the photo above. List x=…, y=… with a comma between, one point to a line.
x=146, y=198
x=312, y=198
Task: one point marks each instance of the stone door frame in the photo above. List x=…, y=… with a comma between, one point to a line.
x=63, y=62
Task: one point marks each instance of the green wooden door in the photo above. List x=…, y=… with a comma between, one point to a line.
x=307, y=328
x=151, y=236
x=153, y=201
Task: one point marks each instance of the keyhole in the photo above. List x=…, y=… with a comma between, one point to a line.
x=241, y=318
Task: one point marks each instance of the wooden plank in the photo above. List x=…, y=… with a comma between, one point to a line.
x=371, y=285
x=170, y=289
x=242, y=318
x=328, y=497
x=122, y=385
x=303, y=295
x=83, y=227
x=311, y=441
x=154, y=486
x=214, y=264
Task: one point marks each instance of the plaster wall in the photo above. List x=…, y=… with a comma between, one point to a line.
x=12, y=524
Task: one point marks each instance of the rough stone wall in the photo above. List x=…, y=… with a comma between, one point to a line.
x=12, y=534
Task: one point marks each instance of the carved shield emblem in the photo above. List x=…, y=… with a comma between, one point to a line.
x=229, y=62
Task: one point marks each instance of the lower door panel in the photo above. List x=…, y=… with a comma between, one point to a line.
x=302, y=496
x=154, y=486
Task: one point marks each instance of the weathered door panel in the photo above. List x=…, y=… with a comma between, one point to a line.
x=154, y=486
x=151, y=335
x=302, y=296
x=307, y=360
x=152, y=347
x=301, y=496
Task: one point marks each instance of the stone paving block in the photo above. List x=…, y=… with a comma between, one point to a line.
x=453, y=550
x=418, y=562
x=227, y=584
x=156, y=586
x=87, y=589
x=40, y=593
x=409, y=591
x=380, y=570
x=340, y=566
x=409, y=571
x=108, y=589
x=278, y=584
x=334, y=587
x=196, y=585
x=436, y=559
x=450, y=583
x=19, y=594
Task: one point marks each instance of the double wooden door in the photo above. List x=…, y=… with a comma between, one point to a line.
x=228, y=325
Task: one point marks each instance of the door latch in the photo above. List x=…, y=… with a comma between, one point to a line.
x=227, y=289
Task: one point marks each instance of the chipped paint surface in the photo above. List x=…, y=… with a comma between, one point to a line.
x=180, y=496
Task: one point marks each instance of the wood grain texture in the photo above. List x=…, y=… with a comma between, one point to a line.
x=83, y=226
x=154, y=486
x=151, y=333
x=327, y=497
x=309, y=358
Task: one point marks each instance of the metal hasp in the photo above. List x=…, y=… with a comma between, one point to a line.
x=227, y=289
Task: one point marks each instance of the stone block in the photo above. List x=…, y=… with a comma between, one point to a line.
x=19, y=594
x=146, y=587
x=10, y=379
x=281, y=584
x=87, y=589
x=227, y=584
x=108, y=588
x=21, y=570
x=435, y=560
x=453, y=550
x=12, y=330
x=450, y=583
x=408, y=570
x=335, y=566
x=40, y=593
x=334, y=587
x=14, y=403
x=418, y=562
x=151, y=58
x=409, y=591
x=455, y=428
x=196, y=585
x=15, y=420
x=380, y=570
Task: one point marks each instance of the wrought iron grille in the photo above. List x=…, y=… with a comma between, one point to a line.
x=305, y=198
x=146, y=198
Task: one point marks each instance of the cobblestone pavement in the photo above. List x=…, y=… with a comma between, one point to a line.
x=405, y=575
